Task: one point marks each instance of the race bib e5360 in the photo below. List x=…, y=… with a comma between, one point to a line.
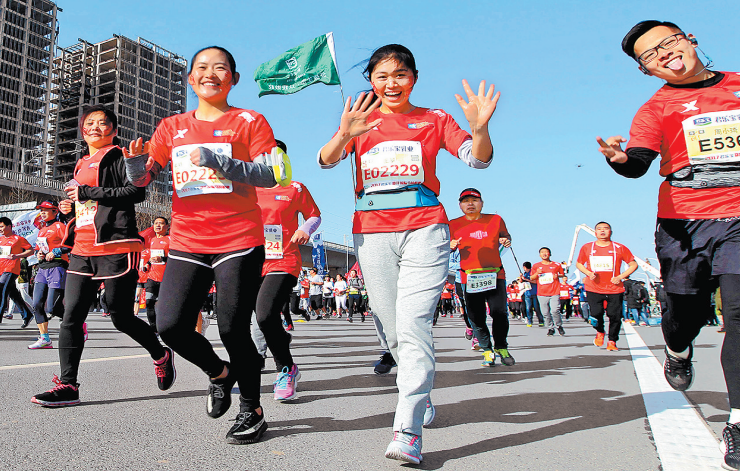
x=713, y=137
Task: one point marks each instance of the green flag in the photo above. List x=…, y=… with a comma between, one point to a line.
x=305, y=65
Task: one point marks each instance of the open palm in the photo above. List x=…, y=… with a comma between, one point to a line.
x=478, y=108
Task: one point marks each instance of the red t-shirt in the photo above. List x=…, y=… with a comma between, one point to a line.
x=158, y=247
x=698, y=124
x=211, y=214
x=304, y=288
x=11, y=245
x=548, y=283
x=423, y=131
x=447, y=291
x=280, y=208
x=564, y=291
x=517, y=293
x=86, y=173
x=479, y=245
x=50, y=237
x=143, y=275
x=606, y=262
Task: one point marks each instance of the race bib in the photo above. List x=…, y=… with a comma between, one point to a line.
x=564, y=294
x=391, y=165
x=85, y=213
x=601, y=263
x=713, y=137
x=478, y=282
x=191, y=180
x=42, y=244
x=273, y=241
x=545, y=279
x=5, y=251
x=157, y=253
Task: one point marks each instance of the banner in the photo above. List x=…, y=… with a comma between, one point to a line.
x=318, y=253
x=27, y=226
x=310, y=63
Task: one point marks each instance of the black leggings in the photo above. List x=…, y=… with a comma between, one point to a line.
x=354, y=305
x=688, y=313
x=183, y=291
x=461, y=296
x=613, y=312
x=286, y=311
x=152, y=294
x=8, y=289
x=47, y=301
x=274, y=293
x=79, y=293
x=496, y=300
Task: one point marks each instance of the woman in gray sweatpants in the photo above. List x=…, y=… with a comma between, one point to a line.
x=401, y=236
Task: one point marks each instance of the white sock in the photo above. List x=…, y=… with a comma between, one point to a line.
x=682, y=355
x=734, y=416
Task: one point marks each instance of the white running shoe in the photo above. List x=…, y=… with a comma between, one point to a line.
x=41, y=343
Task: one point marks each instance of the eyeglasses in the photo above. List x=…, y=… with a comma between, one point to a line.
x=668, y=43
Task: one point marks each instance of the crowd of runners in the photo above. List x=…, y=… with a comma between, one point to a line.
x=231, y=249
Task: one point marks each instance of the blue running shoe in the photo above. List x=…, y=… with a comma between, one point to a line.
x=405, y=447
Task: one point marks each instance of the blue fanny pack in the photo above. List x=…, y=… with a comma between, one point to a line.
x=412, y=196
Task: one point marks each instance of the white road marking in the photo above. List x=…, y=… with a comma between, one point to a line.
x=683, y=439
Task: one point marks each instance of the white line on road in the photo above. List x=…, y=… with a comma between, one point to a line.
x=683, y=439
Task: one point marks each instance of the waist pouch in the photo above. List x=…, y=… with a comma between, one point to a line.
x=412, y=196
x=706, y=176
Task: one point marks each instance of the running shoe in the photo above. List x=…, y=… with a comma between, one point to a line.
x=643, y=324
x=61, y=395
x=285, y=323
x=284, y=387
x=489, y=359
x=40, y=343
x=248, y=428
x=362, y=317
x=551, y=332
x=542, y=324
x=721, y=330
x=165, y=370
x=429, y=413
x=349, y=319
x=506, y=357
x=611, y=346
x=599, y=340
x=26, y=321
x=106, y=314
x=219, y=395
x=678, y=372
x=289, y=327
x=468, y=333
x=730, y=446
x=8, y=316
x=561, y=331
x=474, y=344
x=444, y=315
x=84, y=331
x=594, y=322
x=529, y=325
x=405, y=447
x=385, y=364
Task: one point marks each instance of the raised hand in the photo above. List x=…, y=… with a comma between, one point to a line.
x=136, y=148
x=612, y=149
x=354, y=117
x=479, y=108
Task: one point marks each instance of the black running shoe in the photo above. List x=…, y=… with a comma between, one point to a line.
x=561, y=331
x=678, y=372
x=248, y=428
x=26, y=321
x=385, y=364
x=730, y=446
x=61, y=395
x=166, y=373
x=551, y=332
x=219, y=395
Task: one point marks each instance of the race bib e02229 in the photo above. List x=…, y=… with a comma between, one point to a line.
x=478, y=282
x=713, y=137
x=391, y=165
x=273, y=241
x=191, y=180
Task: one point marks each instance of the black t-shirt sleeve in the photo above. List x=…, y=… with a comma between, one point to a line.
x=638, y=162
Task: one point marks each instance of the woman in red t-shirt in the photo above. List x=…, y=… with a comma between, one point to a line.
x=400, y=229
x=105, y=246
x=216, y=232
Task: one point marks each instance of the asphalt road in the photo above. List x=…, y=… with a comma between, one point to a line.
x=565, y=405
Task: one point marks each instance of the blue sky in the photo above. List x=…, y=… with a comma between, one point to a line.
x=558, y=65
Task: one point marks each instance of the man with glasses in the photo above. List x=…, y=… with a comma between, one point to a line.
x=693, y=122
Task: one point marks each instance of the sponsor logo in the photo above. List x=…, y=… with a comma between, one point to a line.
x=690, y=106
x=291, y=63
x=282, y=198
x=373, y=151
x=180, y=153
x=737, y=93
x=247, y=116
x=703, y=121
x=94, y=165
x=480, y=235
x=439, y=113
x=180, y=134
x=223, y=133
x=420, y=125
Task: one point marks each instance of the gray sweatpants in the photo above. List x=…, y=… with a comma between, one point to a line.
x=405, y=273
x=550, y=306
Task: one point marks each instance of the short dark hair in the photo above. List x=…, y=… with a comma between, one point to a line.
x=313, y=269
x=166, y=221
x=545, y=248
x=604, y=222
x=109, y=114
x=6, y=221
x=637, y=31
x=527, y=265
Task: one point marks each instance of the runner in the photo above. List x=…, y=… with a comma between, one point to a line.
x=698, y=227
x=355, y=284
x=455, y=266
x=105, y=246
x=217, y=232
x=280, y=209
x=140, y=295
x=477, y=236
x=601, y=262
x=529, y=290
x=447, y=307
x=327, y=294
x=401, y=236
x=12, y=249
x=340, y=295
x=159, y=249
x=316, y=284
x=48, y=290
x=547, y=276
x=565, y=305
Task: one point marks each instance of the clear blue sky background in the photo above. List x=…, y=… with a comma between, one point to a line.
x=558, y=65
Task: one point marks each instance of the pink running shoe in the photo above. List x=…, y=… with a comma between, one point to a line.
x=285, y=384
x=84, y=330
x=468, y=333
x=474, y=345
